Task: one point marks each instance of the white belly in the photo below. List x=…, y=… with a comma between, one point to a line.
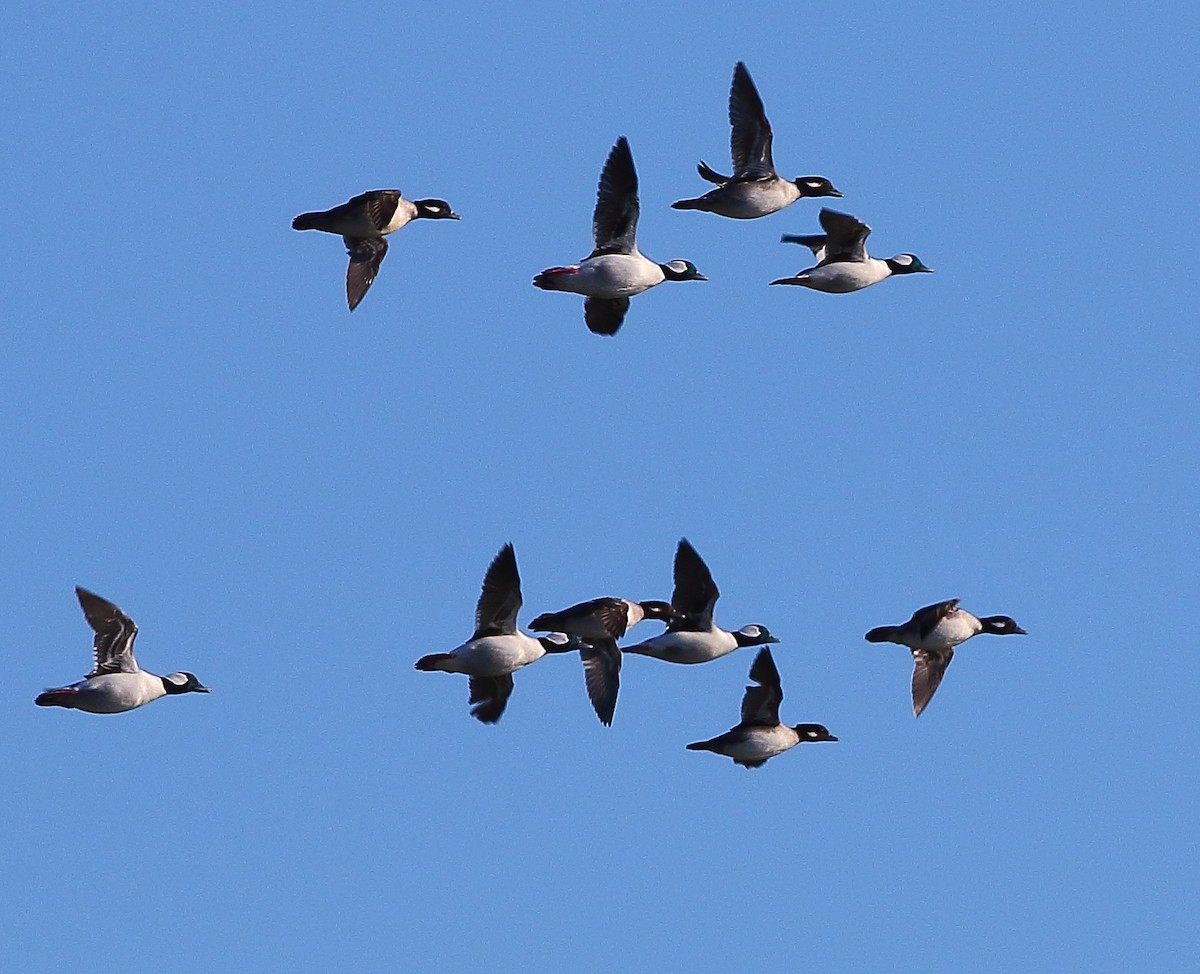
x=497, y=655
x=748, y=201
x=844, y=276
x=762, y=743
x=687, y=647
x=114, y=693
x=614, y=276
x=957, y=627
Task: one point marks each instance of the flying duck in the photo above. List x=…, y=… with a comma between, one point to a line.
x=600, y=623
x=364, y=223
x=692, y=636
x=843, y=264
x=755, y=189
x=615, y=270
x=931, y=634
x=497, y=649
x=759, y=736
x=116, y=683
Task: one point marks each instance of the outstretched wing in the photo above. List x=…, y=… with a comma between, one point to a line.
x=366, y=254
x=751, y=136
x=602, y=673
x=604, y=316
x=115, y=633
x=845, y=236
x=500, y=599
x=614, y=221
x=761, y=703
x=928, y=670
x=695, y=591
x=489, y=696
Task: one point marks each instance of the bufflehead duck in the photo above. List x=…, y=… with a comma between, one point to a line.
x=615, y=270
x=600, y=623
x=116, y=683
x=755, y=189
x=692, y=636
x=842, y=261
x=364, y=223
x=931, y=634
x=759, y=736
x=497, y=648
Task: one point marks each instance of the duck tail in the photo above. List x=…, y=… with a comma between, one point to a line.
x=882, y=634
x=701, y=746
x=695, y=204
x=55, y=698
x=436, y=661
x=548, y=280
x=307, y=221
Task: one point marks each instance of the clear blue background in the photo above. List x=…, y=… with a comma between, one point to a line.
x=295, y=502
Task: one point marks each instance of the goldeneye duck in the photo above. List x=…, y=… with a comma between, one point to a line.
x=600, y=623
x=843, y=264
x=497, y=648
x=755, y=189
x=116, y=683
x=364, y=222
x=692, y=636
x=760, y=736
x=615, y=270
x=931, y=634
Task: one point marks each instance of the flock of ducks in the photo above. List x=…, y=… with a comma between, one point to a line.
x=616, y=270
x=608, y=277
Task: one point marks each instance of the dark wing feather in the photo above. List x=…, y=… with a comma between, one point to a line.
x=366, y=254
x=112, y=648
x=695, y=591
x=604, y=316
x=750, y=140
x=614, y=221
x=586, y=619
x=925, y=620
x=845, y=236
x=602, y=673
x=761, y=703
x=381, y=206
x=928, y=670
x=489, y=696
x=500, y=599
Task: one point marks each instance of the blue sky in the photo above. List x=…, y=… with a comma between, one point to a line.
x=295, y=503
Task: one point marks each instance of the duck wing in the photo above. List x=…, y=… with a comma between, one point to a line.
x=928, y=670
x=604, y=316
x=845, y=236
x=366, y=254
x=602, y=673
x=751, y=136
x=489, y=696
x=695, y=592
x=500, y=599
x=761, y=703
x=614, y=221
x=115, y=633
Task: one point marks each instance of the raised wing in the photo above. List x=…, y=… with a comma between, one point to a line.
x=115, y=633
x=928, y=671
x=845, y=236
x=605, y=615
x=750, y=139
x=614, y=221
x=761, y=703
x=379, y=205
x=366, y=254
x=500, y=600
x=489, y=696
x=695, y=591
